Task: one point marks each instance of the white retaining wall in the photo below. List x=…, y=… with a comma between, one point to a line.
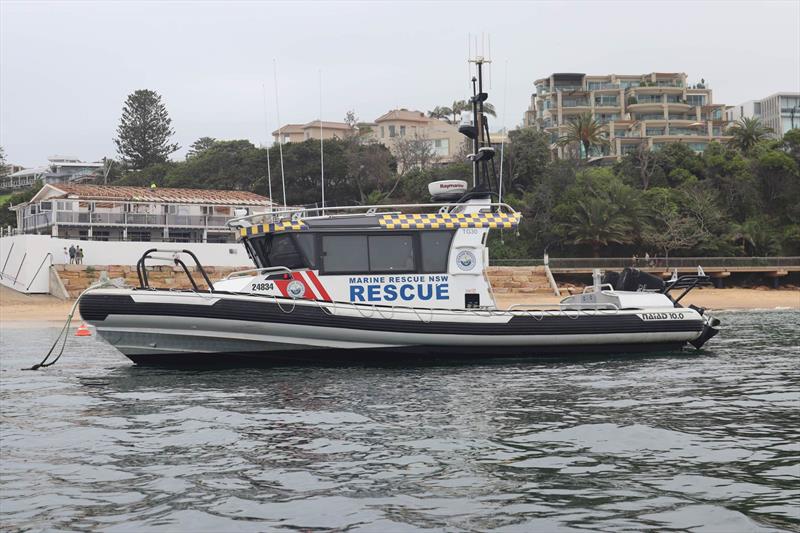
x=22, y=255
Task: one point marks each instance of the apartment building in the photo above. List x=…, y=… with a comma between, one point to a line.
x=780, y=111
x=652, y=109
x=292, y=133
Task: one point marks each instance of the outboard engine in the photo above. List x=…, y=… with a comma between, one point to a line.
x=633, y=279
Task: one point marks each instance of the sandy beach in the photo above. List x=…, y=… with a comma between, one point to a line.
x=19, y=308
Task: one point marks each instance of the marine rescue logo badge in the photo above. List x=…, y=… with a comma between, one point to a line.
x=465, y=260
x=296, y=289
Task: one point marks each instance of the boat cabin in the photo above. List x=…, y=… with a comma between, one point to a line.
x=434, y=260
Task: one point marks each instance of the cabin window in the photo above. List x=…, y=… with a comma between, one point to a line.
x=378, y=254
x=307, y=245
x=275, y=250
x=283, y=252
x=345, y=254
x=435, y=250
x=391, y=253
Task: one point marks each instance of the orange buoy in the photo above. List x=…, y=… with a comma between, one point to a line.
x=83, y=331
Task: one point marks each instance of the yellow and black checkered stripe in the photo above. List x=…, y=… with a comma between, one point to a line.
x=451, y=221
x=260, y=229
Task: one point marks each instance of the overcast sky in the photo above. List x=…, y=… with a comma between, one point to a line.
x=66, y=67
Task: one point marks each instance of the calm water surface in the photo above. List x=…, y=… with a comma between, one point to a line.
x=706, y=442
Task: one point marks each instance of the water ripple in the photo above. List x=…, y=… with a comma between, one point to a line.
x=701, y=442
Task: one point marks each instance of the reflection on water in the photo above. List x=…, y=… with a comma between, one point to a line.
x=706, y=442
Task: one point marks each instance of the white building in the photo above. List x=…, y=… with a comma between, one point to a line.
x=780, y=111
x=59, y=169
x=112, y=213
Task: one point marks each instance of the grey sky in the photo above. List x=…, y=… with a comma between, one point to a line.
x=66, y=67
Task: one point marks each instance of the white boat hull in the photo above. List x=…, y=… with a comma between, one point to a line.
x=160, y=327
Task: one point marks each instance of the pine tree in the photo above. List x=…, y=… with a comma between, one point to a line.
x=144, y=130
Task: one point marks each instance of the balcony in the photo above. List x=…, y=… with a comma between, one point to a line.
x=568, y=88
x=687, y=132
x=656, y=89
x=607, y=86
x=647, y=111
x=679, y=106
x=85, y=218
x=606, y=102
x=570, y=103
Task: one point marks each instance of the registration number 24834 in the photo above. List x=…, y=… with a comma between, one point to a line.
x=266, y=286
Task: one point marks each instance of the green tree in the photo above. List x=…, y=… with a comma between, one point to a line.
x=747, y=133
x=791, y=143
x=586, y=132
x=222, y=165
x=200, y=145
x=597, y=210
x=756, y=236
x=452, y=113
x=8, y=217
x=526, y=160
x=144, y=130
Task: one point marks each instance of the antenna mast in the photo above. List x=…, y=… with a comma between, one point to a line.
x=321, y=145
x=483, y=152
x=280, y=128
x=266, y=131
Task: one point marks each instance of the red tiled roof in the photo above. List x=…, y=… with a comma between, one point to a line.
x=403, y=114
x=160, y=194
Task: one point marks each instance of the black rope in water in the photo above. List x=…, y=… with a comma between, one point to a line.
x=65, y=331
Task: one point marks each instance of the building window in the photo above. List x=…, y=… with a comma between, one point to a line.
x=696, y=99
x=383, y=132
x=402, y=131
x=141, y=236
x=392, y=132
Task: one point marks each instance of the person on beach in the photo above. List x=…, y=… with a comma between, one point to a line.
x=79, y=255
x=71, y=254
x=66, y=255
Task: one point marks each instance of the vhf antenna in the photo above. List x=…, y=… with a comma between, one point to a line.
x=482, y=151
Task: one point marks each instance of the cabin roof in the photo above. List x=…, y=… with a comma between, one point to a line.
x=389, y=222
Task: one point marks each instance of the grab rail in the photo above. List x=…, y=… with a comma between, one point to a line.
x=141, y=268
x=40, y=267
x=590, y=288
x=368, y=209
x=239, y=273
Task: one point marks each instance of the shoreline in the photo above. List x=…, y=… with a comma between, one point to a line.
x=17, y=308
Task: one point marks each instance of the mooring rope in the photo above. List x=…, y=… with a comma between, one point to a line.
x=65, y=330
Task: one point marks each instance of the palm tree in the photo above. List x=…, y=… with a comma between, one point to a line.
x=441, y=112
x=585, y=131
x=756, y=236
x=597, y=222
x=455, y=110
x=747, y=133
